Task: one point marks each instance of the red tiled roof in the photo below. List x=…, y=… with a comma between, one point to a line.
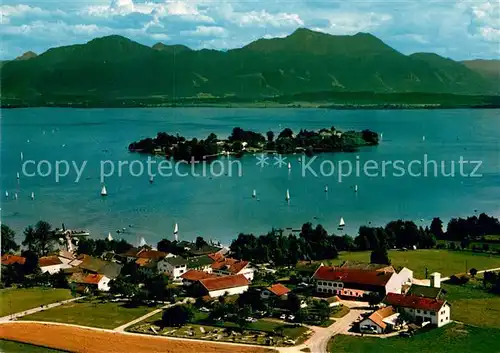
x=194, y=275
x=413, y=301
x=151, y=254
x=142, y=261
x=49, y=261
x=347, y=275
x=231, y=265
x=278, y=289
x=9, y=259
x=224, y=282
x=380, y=315
x=216, y=256
x=92, y=279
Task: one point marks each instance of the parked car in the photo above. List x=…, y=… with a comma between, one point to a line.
x=250, y=319
x=291, y=317
x=283, y=317
x=205, y=310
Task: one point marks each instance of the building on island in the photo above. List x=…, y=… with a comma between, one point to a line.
x=420, y=309
x=381, y=321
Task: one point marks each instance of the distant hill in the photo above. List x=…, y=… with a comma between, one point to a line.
x=116, y=68
x=27, y=56
x=487, y=68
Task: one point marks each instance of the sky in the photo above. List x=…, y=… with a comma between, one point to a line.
x=462, y=29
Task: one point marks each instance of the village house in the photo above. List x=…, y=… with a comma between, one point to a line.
x=275, y=291
x=89, y=264
x=8, y=259
x=219, y=286
x=200, y=263
x=90, y=282
x=174, y=267
x=193, y=276
x=52, y=264
x=356, y=283
x=228, y=266
x=144, y=252
x=420, y=309
x=381, y=321
x=333, y=301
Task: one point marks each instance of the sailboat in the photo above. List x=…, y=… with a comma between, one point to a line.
x=287, y=195
x=341, y=223
x=22, y=156
x=423, y=138
x=289, y=165
x=176, y=232
x=254, y=193
x=151, y=179
x=381, y=136
x=104, y=192
x=32, y=195
x=15, y=196
x=143, y=242
x=326, y=188
x=110, y=238
x=6, y=194
x=18, y=176
x=356, y=188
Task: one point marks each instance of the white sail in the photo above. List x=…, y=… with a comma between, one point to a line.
x=423, y=138
x=176, y=232
x=22, y=156
x=356, y=188
x=18, y=176
x=287, y=195
x=110, y=238
x=341, y=223
x=15, y=196
x=32, y=195
x=143, y=242
x=326, y=188
x=151, y=179
x=381, y=136
x=104, y=192
x=289, y=165
x=254, y=193
x=6, y=194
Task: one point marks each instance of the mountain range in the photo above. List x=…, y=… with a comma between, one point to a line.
x=115, y=68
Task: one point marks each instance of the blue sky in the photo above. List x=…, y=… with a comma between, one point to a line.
x=457, y=29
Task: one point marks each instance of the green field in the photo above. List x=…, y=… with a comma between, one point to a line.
x=91, y=313
x=14, y=300
x=453, y=337
x=473, y=305
x=443, y=261
x=15, y=347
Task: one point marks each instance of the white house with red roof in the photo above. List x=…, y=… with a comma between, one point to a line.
x=420, y=309
x=355, y=283
x=276, y=290
x=192, y=276
x=52, y=264
x=227, y=266
x=218, y=286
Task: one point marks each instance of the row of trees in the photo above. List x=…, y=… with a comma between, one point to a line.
x=311, y=244
x=459, y=229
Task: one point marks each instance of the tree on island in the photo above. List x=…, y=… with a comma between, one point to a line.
x=8, y=239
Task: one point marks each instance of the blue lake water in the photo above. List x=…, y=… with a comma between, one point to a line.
x=221, y=207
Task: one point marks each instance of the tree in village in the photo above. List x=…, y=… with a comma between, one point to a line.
x=293, y=303
x=473, y=272
x=437, y=228
x=8, y=239
x=380, y=256
x=177, y=315
x=40, y=239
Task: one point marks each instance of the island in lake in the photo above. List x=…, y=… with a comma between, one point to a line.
x=244, y=141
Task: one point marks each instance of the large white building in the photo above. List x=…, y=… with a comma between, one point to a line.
x=52, y=264
x=420, y=309
x=174, y=267
x=218, y=286
x=355, y=283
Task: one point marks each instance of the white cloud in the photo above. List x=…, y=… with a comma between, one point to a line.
x=206, y=31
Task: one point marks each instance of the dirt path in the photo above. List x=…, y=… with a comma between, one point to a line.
x=79, y=339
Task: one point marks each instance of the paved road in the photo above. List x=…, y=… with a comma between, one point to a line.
x=482, y=271
x=37, y=309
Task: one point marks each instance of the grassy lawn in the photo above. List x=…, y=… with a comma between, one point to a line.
x=340, y=311
x=15, y=347
x=14, y=300
x=450, y=338
x=473, y=305
x=91, y=313
x=443, y=261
